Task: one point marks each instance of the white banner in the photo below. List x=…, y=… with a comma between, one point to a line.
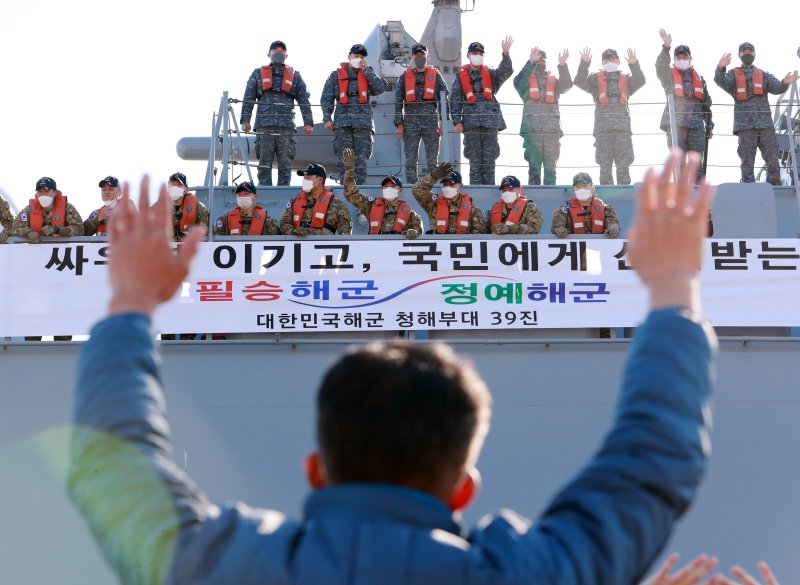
x=395, y=284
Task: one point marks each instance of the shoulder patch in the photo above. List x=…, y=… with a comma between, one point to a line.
x=370, y=198
x=289, y=204
x=565, y=209
x=434, y=197
x=486, y=215
x=219, y=223
x=95, y=213
x=23, y=216
x=188, y=208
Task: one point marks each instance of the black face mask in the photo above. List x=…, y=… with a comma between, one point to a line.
x=748, y=59
x=420, y=61
x=279, y=58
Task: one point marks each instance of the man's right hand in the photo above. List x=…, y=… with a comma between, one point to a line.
x=724, y=61
x=300, y=231
x=441, y=171
x=746, y=579
x=586, y=55
x=349, y=158
x=401, y=131
x=246, y=127
x=666, y=38
x=691, y=574
x=329, y=125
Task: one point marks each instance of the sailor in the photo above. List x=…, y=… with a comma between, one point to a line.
x=752, y=120
x=692, y=102
x=110, y=193
x=187, y=210
x=348, y=89
x=6, y=219
x=418, y=111
x=315, y=210
x=276, y=87
x=452, y=212
x=475, y=111
x=513, y=213
x=611, y=89
x=585, y=213
x=247, y=218
x=541, y=121
x=48, y=214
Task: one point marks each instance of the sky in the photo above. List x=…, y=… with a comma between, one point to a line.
x=91, y=89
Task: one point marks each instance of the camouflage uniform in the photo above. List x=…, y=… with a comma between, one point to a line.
x=612, y=122
x=200, y=218
x=271, y=227
x=752, y=123
x=91, y=223
x=364, y=205
x=6, y=219
x=21, y=226
x=562, y=221
x=420, y=122
x=337, y=219
x=482, y=121
x=274, y=124
x=428, y=202
x=352, y=122
x=541, y=124
x=529, y=223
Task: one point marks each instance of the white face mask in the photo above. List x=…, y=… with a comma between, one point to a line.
x=110, y=204
x=610, y=67
x=355, y=63
x=509, y=196
x=244, y=202
x=476, y=60
x=391, y=193
x=583, y=194
x=45, y=200
x=176, y=192
x=307, y=185
x=682, y=64
x=450, y=192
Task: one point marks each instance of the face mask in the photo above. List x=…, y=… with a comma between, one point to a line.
x=110, y=204
x=682, y=64
x=449, y=192
x=176, y=192
x=244, y=202
x=476, y=60
x=420, y=61
x=279, y=58
x=610, y=67
x=307, y=185
x=583, y=194
x=390, y=193
x=509, y=196
x=355, y=63
x=45, y=200
x=748, y=59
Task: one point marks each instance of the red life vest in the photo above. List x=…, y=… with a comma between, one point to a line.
x=598, y=216
x=59, y=217
x=189, y=212
x=319, y=212
x=429, y=91
x=443, y=214
x=602, y=88
x=377, y=212
x=469, y=90
x=514, y=214
x=256, y=223
x=697, y=83
x=286, y=84
x=741, y=83
x=101, y=225
x=344, y=83
x=549, y=88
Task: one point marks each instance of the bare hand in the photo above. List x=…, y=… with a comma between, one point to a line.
x=506, y=44
x=459, y=128
x=329, y=125
x=746, y=579
x=349, y=158
x=724, y=61
x=439, y=132
x=666, y=38
x=632, y=57
x=534, y=55
x=562, y=58
x=143, y=270
x=790, y=78
x=103, y=213
x=401, y=131
x=246, y=127
x=586, y=55
x=665, y=243
x=308, y=129
x=691, y=574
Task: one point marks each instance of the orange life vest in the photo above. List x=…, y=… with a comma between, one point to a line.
x=741, y=83
x=286, y=84
x=443, y=214
x=469, y=90
x=514, y=214
x=697, y=83
x=377, y=212
x=549, y=88
x=189, y=212
x=256, y=223
x=598, y=215
x=319, y=212
x=344, y=85
x=101, y=225
x=59, y=217
x=429, y=91
x=602, y=88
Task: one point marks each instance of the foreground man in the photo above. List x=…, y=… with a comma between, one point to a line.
x=400, y=427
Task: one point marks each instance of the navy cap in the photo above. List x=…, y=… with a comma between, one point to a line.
x=277, y=44
x=314, y=170
x=46, y=183
x=394, y=179
x=110, y=181
x=453, y=177
x=542, y=55
x=744, y=46
x=359, y=50
x=682, y=49
x=582, y=178
x=476, y=46
x=245, y=186
x=610, y=54
x=510, y=181
x=419, y=47
x=180, y=177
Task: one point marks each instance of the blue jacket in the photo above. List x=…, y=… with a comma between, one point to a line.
x=605, y=527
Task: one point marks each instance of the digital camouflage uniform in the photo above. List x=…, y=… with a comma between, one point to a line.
x=271, y=227
x=352, y=122
x=562, y=221
x=200, y=218
x=21, y=225
x=337, y=219
x=6, y=219
x=612, y=122
x=752, y=123
x=420, y=120
x=529, y=223
x=364, y=205
x=541, y=124
x=274, y=126
x=692, y=116
x=482, y=121
x=428, y=202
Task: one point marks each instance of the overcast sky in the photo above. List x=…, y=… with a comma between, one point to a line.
x=91, y=89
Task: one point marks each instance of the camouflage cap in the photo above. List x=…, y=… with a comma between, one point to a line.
x=744, y=46
x=475, y=47
x=245, y=186
x=510, y=181
x=46, y=183
x=682, y=49
x=582, y=178
x=392, y=179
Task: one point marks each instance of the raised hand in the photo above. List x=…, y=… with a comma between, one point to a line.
x=586, y=55
x=632, y=57
x=745, y=578
x=562, y=57
x=534, y=55
x=724, y=61
x=441, y=171
x=666, y=38
x=506, y=44
x=691, y=574
x=790, y=78
x=349, y=158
